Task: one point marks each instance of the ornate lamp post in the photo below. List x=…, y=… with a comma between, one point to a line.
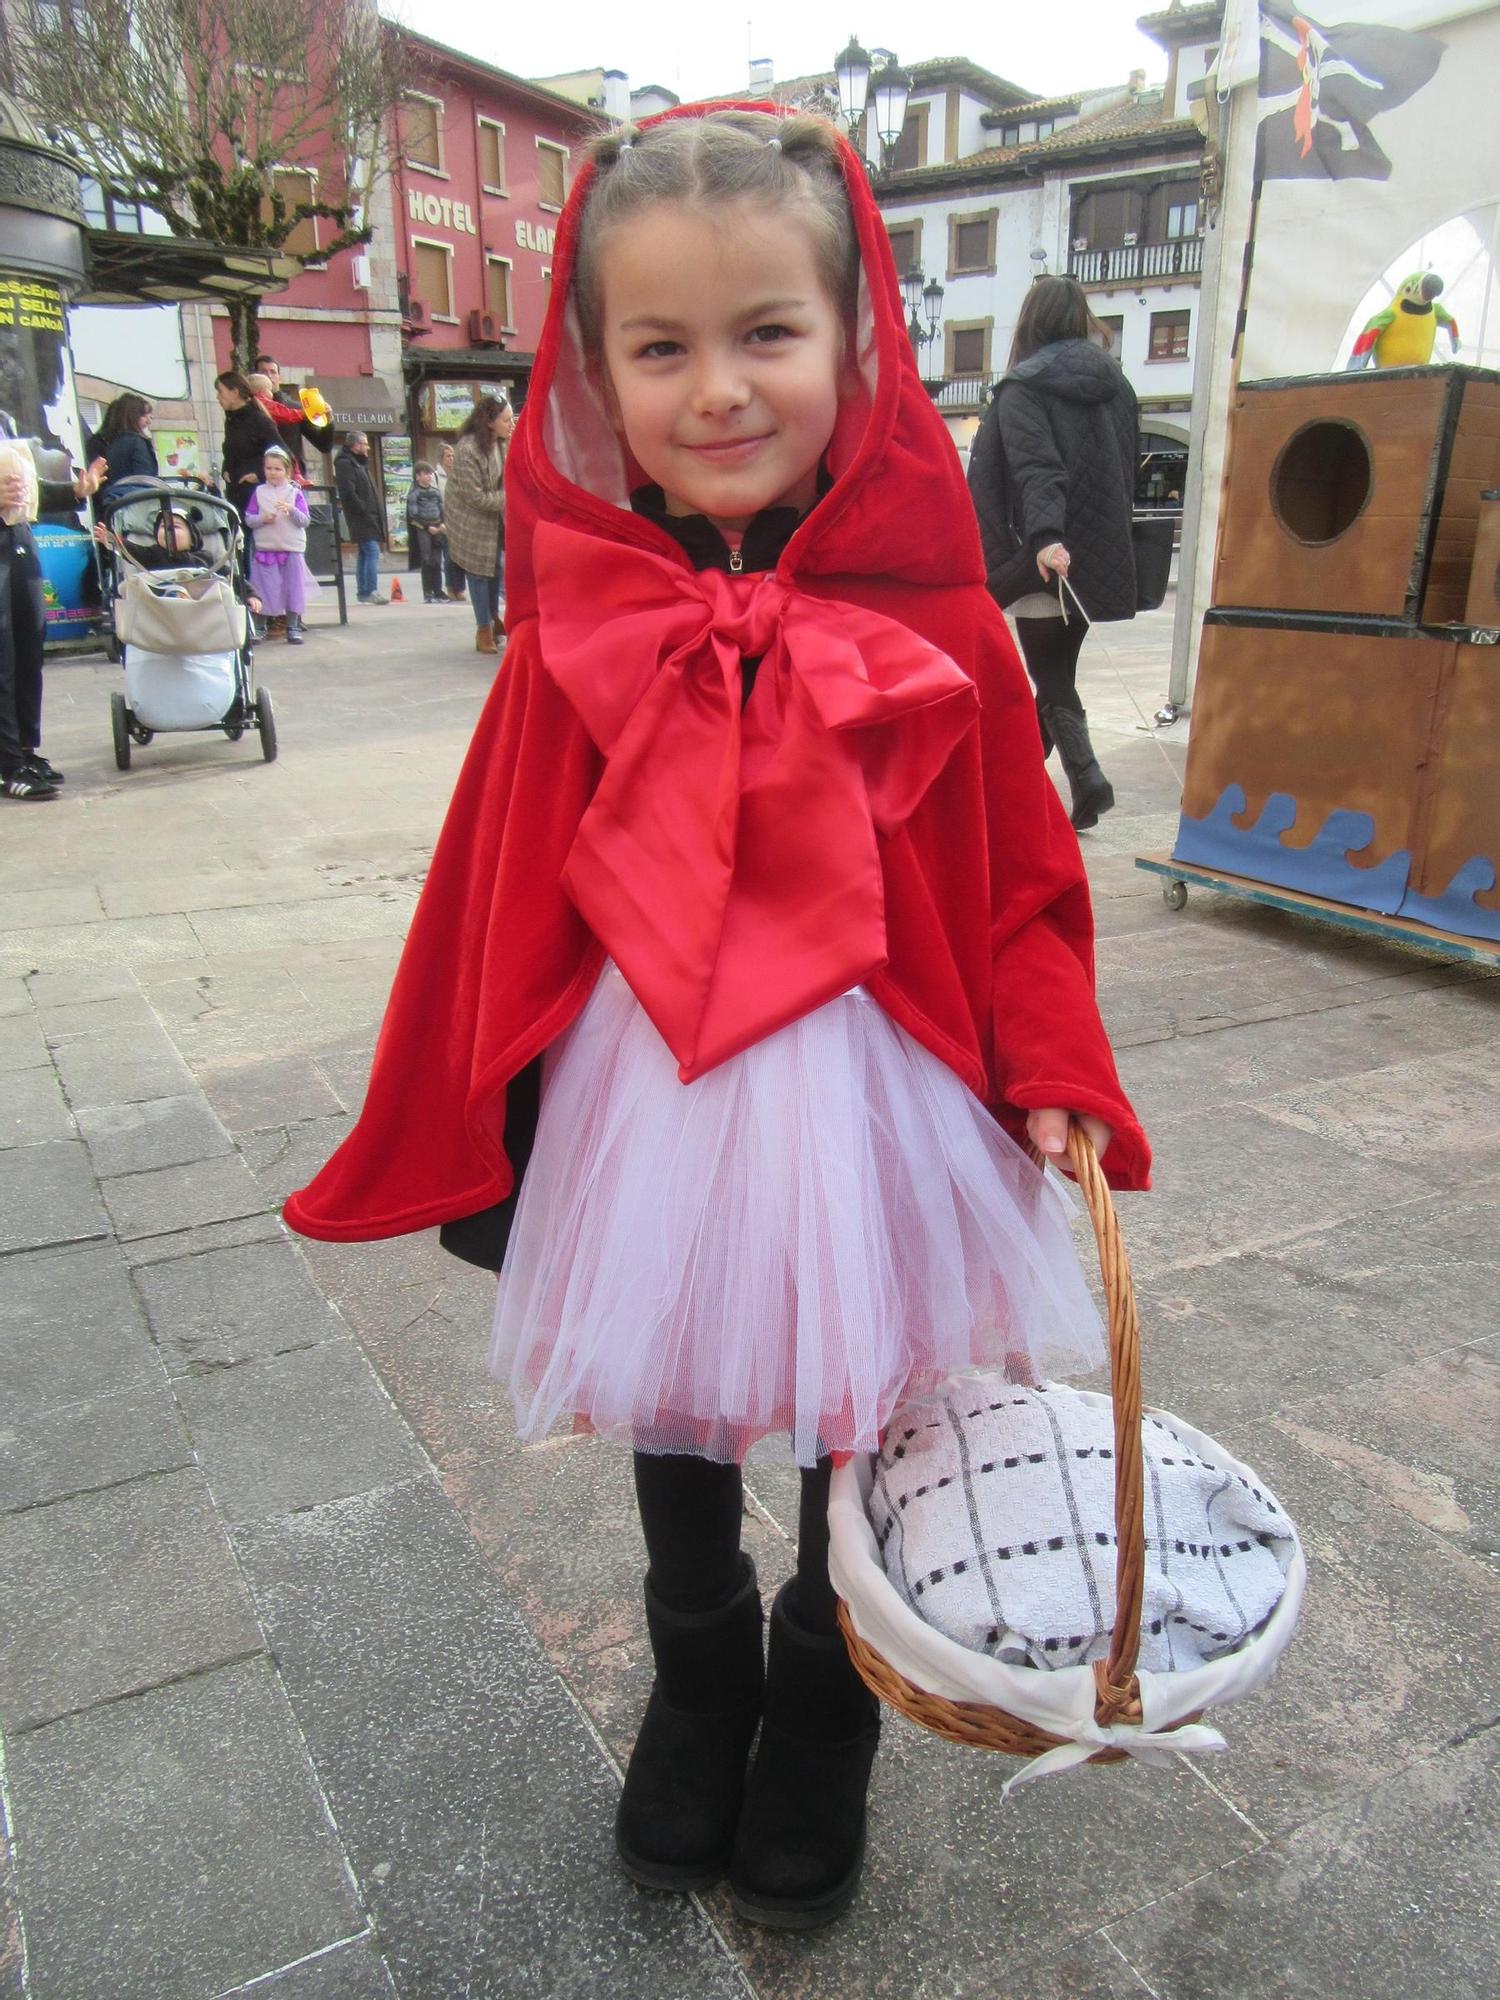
x=922, y=327
x=883, y=92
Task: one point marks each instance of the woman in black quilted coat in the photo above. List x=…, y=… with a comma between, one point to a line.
x=1052, y=474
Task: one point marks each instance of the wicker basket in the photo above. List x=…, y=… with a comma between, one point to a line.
x=1114, y=1715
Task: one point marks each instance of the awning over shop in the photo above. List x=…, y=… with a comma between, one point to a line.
x=362, y=402
x=126, y=269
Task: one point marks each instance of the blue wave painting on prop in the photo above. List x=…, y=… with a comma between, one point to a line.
x=1323, y=868
x=1456, y=909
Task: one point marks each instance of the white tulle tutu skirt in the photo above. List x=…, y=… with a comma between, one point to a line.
x=793, y=1243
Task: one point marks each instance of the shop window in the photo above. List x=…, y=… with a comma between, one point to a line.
x=497, y=273
x=432, y=276
x=492, y=156
x=551, y=173
x=422, y=131
x=296, y=185
x=1169, y=336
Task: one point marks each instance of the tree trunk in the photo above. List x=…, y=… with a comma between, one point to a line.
x=244, y=331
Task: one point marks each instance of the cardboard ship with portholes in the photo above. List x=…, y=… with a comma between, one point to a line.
x=1346, y=720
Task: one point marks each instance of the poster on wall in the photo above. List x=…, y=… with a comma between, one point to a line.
x=178, y=453
x=395, y=468
x=447, y=406
x=37, y=404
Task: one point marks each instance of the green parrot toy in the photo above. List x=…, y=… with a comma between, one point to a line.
x=1404, y=334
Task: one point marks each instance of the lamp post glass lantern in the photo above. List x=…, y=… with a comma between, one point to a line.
x=882, y=92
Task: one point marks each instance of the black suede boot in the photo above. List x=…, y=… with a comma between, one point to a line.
x=1092, y=792
x=686, y=1777
x=801, y=1843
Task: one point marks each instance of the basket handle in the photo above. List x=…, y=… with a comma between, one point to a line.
x=1118, y=1687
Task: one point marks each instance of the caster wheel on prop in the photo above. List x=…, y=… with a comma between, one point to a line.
x=119, y=722
x=1174, y=894
x=234, y=731
x=265, y=722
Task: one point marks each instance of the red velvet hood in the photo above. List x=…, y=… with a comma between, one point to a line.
x=970, y=875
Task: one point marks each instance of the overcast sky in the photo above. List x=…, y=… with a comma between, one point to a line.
x=702, y=48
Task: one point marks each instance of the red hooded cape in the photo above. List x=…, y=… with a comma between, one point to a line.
x=965, y=910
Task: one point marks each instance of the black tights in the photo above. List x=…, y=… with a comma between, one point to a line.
x=1050, y=647
x=691, y=1510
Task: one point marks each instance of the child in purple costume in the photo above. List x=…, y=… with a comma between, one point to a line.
x=277, y=513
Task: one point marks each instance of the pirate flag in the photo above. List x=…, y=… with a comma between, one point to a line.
x=1320, y=87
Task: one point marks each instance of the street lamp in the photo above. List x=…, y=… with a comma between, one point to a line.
x=922, y=328
x=883, y=92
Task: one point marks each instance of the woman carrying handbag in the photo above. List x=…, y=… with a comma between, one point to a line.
x=1052, y=475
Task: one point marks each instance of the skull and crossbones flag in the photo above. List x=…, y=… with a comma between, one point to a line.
x=1320, y=88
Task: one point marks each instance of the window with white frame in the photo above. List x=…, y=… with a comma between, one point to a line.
x=422, y=131
x=432, y=276
x=492, y=156
x=551, y=174
x=498, y=289
x=1169, y=336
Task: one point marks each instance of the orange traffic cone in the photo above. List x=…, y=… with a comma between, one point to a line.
x=396, y=597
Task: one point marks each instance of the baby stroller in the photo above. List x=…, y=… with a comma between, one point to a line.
x=174, y=591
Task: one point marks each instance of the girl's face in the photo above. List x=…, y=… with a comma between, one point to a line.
x=229, y=399
x=143, y=423
x=276, y=473
x=722, y=354
x=504, y=424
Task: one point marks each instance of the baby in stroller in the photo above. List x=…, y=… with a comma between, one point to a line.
x=155, y=532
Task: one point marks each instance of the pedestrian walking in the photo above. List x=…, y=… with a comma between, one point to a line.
x=279, y=576
x=1052, y=474
x=754, y=883
x=475, y=501
x=364, y=517
x=424, y=526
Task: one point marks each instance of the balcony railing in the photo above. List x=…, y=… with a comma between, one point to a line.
x=961, y=392
x=1138, y=263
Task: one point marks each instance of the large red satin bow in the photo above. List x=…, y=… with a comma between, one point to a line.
x=728, y=861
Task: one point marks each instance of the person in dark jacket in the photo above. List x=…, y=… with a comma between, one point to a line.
x=364, y=517
x=1052, y=476
x=248, y=434
x=124, y=441
x=424, y=524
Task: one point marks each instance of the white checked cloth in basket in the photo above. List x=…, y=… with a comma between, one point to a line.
x=992, y=1508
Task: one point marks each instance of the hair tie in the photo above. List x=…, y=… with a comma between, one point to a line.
x=775, y=141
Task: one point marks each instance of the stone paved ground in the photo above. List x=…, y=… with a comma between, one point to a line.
x=315, y=1686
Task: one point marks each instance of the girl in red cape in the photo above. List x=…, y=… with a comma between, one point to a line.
x=754, y=883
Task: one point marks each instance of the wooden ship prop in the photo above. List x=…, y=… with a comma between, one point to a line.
x=1345, y=749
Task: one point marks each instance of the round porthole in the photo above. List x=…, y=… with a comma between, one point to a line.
x=1321, y=481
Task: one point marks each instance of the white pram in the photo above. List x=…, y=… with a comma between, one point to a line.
x=181, y=627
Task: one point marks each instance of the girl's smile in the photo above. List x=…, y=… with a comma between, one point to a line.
x=722, y=354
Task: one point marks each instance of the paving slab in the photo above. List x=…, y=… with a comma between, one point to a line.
x=23, y=1046
x=48, y=1195
x=173, y=1244
x=112, y=942
x=295, y=1430
x=123, y=1069
x=214, y=1307
x=251, y=1096
x=1422, y=1438
x=112, y=1592
x=183, y=1197
x=159, y=1132
x=118, y=1017
x=353, y=1971
x=473, y=1800
x=320, y=920
x=1392, y=1894
x=285, y=1158
x=71, y=985
x=175, y=1843
x=32, y=1109
x=1393, y=1657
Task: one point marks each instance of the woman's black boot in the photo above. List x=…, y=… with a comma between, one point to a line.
x=1093, y=794
x=801, y=1843
x=686, y=1777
